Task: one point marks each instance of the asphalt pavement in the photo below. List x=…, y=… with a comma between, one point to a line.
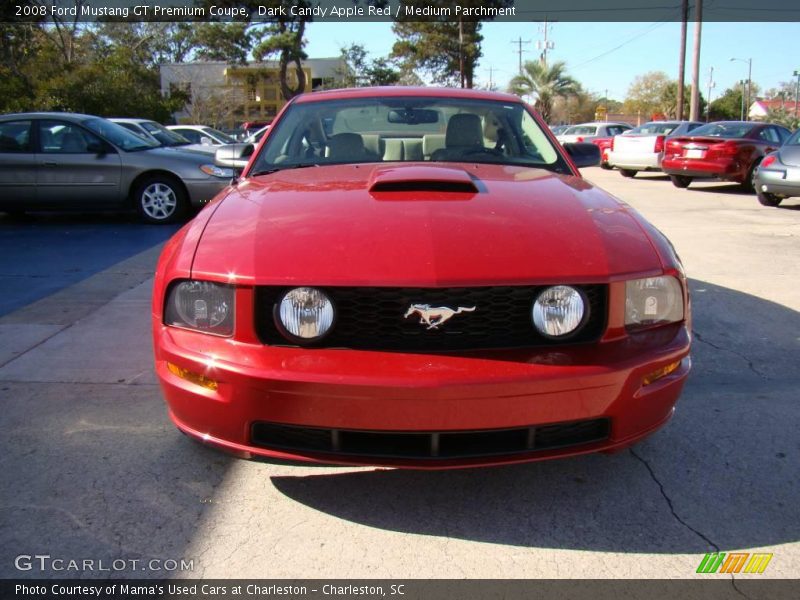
x=91, y=468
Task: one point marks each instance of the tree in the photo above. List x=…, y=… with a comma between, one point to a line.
x=445, y=51
x=545, y=83
x=359, y=71
x=669, y=101
x=729, y=105
x=286, y=39
x=228, y=42
x=646, y=94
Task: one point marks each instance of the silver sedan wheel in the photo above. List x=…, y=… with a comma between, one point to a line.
x=159, y=201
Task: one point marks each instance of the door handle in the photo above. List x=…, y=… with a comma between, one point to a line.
x=48, y=163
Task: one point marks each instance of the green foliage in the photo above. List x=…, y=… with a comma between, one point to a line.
x=728, y=106
x=782, y=116
x=359, y=71
x=646, y=93
x=546, y=84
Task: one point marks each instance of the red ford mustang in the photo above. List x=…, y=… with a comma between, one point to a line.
x=418, y=278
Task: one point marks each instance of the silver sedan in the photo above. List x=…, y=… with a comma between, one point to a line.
x=66, y=161
x=778, y=175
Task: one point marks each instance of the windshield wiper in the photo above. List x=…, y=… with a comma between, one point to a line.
x=283, y=168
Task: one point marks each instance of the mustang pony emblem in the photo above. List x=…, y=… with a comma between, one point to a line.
x=433, y=317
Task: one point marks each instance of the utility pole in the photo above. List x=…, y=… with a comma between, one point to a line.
x=682, y=59
x=519, y=43
x=698, y=30
x=741, y=84
x=545, y=45
x=711, y=85
x=748, y=101
x=796, y=93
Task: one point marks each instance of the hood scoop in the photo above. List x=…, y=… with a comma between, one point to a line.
x=422, y=178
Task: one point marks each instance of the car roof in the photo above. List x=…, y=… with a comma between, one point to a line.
x=130, y=120
x=67, y=116
x=401, y=91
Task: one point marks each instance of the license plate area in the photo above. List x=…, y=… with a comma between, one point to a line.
x=694, y=153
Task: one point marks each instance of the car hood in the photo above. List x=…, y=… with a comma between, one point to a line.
x=421, y=225
x=182, y=153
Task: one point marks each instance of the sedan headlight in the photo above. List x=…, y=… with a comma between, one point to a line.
x=216, y=171
x=653, y=301
x=202, y=306
x=305, y=314
x=559, y=311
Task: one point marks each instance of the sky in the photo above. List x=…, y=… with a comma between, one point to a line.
x=607, y=56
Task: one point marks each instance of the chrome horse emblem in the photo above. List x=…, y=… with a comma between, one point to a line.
x=435, y=316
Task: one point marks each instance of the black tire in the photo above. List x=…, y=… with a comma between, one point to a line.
x=680, y=181
x=606, y=166
x=160, y=199
x=749, y=184
x=767, y=199
x=628, y=172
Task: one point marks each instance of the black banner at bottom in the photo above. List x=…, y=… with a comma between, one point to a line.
x=721, y=588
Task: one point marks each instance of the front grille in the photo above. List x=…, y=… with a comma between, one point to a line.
x=372, y=318
x=430, y=444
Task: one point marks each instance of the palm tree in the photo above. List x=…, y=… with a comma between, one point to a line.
x=545, y=83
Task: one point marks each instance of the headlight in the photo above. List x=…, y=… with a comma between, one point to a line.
x=305, y=314
x=559, y=311
x=201, y=305
x=216, y=171
x=653, y=301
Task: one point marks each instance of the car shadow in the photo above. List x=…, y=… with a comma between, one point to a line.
x=721, y=475
x=723, y=188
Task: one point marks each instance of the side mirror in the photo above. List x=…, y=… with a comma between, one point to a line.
x=583, y=154
x=235, y=156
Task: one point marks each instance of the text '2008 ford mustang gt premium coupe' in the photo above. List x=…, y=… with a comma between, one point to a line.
x=418, y=278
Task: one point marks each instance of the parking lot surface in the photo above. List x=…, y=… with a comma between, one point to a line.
x=91, y=468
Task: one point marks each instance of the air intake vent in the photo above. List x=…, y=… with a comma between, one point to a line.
x=422, y=178
x=456, y=187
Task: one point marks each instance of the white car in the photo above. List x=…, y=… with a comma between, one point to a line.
x=156, y=132
x=587, y=132
x=255, y=137
x=642, y=148
x=202, y=134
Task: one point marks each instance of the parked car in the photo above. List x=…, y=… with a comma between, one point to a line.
x=202, y=134
x=251, y=127
x=401, y=293
x=778, y=175
x=256, y=136
x=725, y=150
x=66, y=161
x=558, y=129
x=642, y=148
x=604, y=144
x=156, y=132
x=586, y=132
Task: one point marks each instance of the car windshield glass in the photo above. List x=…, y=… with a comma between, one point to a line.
x=653, y=129
x=724, y=130
x=119, y=136
x=794, y=140
x=409, y=129
x=222, y=137
x=164, y=135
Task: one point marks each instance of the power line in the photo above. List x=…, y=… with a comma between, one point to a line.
x=519, y=43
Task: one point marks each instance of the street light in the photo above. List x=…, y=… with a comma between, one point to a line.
x=742, y=82
x=749, y=62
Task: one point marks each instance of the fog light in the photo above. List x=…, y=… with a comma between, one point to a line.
x=659, y=373
x=195, y=378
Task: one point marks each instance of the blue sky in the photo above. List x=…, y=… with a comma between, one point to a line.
x=608, y=55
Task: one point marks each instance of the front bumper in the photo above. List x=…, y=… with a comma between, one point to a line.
x=350, y=390
x=202, y=191
x=782, y=182
x=648, y=161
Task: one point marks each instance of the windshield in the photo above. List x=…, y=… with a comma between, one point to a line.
x=581, y=130
x=392, y=129
x=724, y=130
x=794, y=140
x=222, y=137
x=119, y=136
x=653, y=129
x=164, y=135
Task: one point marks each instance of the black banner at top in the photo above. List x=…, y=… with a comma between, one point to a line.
x=390, y=10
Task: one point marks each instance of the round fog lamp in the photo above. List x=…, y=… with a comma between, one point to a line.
x=305, y=313
x=558, y=311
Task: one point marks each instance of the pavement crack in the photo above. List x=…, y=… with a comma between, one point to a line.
x=677, y=517
x=36, y=345
x=749, y=362
x=736, y=588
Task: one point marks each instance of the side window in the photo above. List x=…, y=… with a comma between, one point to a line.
x=60, y=137
x=783, y=134
x=15, y=136
x=768, y=134
x=190, y=134
x=692, y=126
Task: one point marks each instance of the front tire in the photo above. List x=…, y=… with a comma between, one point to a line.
x=749, y=184
x=680, y=181
x=628, y=172
x=160, y=199
x=767, y=199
